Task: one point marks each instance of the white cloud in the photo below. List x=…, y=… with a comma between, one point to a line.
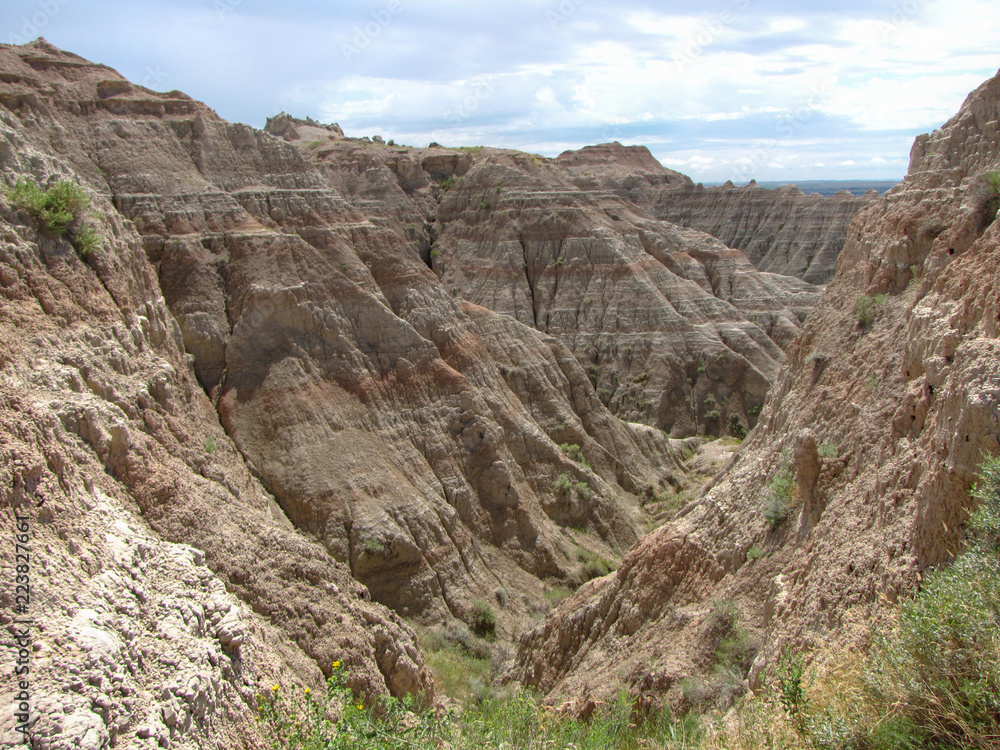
x=841, y=87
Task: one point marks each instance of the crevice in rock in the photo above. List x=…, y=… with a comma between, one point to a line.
x=529, y=276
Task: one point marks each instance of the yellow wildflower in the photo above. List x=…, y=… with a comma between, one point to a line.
x=336, y=664
x=308, y=690
x=274, y=688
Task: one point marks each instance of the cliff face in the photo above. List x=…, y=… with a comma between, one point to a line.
x=673, y=328
x=882, y=418
x=783, y=231
x=302, y=372
x=265, y=382
x=167, y=586
x=780, y=231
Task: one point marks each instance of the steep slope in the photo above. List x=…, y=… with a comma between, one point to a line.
x=266, y=382
x=781, y=231
x=883, y=413
x=109, y=448
x=674, y=329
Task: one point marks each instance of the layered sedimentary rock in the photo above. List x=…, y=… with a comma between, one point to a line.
x=673, y=328
x=167, y=586
x=883, y=418
x=301, y=372
x=257, y=364
x=782, y=231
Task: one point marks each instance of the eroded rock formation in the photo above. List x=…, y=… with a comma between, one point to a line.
x=782, y=231
x=882, y=420
x=673, y=328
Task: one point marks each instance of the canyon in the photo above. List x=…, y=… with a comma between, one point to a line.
x=312, y=394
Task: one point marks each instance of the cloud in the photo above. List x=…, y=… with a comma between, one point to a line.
x=778, y=87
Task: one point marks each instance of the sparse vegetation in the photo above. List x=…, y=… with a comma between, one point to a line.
x=512, y=719
x=59, y=211
x=574, y=451
x=594, y=565
x=733, y=651
x=867, y=308
x=210, y=445
x=930, y=679
x=755, y=553
x=373, y=545
x=563, y=485
x=482, y=618
x=778, y=505
x=447, y=183
x=987, y=191
x=829, y=450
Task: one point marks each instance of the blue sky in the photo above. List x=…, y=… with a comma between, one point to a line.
x=726, y=89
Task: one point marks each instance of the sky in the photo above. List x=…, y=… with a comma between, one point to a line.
x=724, y=89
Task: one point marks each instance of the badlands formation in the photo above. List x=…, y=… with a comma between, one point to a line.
x=311, y=393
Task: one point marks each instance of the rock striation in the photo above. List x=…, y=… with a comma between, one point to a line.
x=881, y=417
x=781, y=231
x=329, y=383
x=673, y=328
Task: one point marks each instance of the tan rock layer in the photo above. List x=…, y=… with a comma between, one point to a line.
x=883, y=423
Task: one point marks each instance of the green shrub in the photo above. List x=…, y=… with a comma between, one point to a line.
x=58, y=211
x=574, y=451
x=829, y=450
x=301, y=720
x=778, y=505
x=583, y=490
x=932, y=678
x=867, y=308
x=755, y=553
x=988, y=193
x=563, y=485
x=482, y=618
x=594, y=566
x=373, y=545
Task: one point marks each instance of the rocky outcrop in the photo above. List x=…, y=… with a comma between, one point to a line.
x=781, y=231
x=165, y=579
x=882, y=420
x=257, y=365
x=673, y=328
x=292, y=355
